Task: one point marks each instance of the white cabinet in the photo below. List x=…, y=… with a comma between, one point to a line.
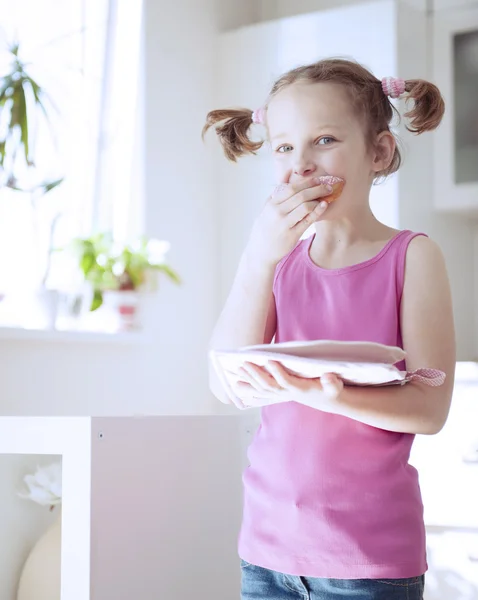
x=151, y=506
x=455, y=67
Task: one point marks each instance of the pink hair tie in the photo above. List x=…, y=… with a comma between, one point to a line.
x=393, y=87
x=258, y=116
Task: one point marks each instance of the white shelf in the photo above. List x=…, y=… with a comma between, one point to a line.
x=69, y=437
x=55, y=335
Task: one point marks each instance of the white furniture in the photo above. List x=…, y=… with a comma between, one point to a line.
x=455, y=69
x=154, y=503
x=151, y=506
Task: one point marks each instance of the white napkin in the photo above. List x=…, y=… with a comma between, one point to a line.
x=356, y=363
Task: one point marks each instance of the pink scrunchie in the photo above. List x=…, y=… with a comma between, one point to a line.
x=393, y=87
x=258, y=116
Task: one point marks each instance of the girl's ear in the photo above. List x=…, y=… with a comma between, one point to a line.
x=384, y=150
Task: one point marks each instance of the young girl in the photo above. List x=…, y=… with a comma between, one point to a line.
x=332, y=509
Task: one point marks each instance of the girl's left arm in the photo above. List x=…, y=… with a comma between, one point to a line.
x=429, y=340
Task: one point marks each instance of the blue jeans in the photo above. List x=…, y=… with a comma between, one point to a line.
x=259, y=584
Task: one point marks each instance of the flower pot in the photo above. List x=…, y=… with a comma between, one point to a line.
x=126, y=307
x=41, y=575
x=47, y=304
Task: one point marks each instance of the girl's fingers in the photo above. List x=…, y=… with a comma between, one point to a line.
x=257, y=387
x=308, y=210
x=286, y=190
x=307, y=196
x=281, y=375
x=282, y=186
x=245, y=377
x=331, y=384
x=288, y=196
x=249, y=396
x=309, y=219
x=260, y=377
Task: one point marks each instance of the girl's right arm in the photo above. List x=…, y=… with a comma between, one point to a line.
x=249, y=315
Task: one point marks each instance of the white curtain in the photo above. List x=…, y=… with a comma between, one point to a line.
x=119, y=182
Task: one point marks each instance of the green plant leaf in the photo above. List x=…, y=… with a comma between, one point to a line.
x=6, y=86
x=97, y=300
x=13, y=48
x=12, y=185
x=24, y=123
x=15, y=117
x=51, y=185
x=87, y=262
x=171, y=273
x=19, y=117
x=37, y=93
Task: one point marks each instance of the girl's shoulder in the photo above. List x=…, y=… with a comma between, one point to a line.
x=423, y=251
x=296, y=252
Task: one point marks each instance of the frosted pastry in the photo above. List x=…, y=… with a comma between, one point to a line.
x=337, y=186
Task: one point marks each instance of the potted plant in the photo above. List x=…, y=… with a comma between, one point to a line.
x=22, y=102
x=120, y=274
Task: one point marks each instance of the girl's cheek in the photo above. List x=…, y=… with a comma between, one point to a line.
x=281, y=167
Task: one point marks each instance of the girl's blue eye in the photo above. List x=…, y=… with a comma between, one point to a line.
x=325, y=141
x=285, y=148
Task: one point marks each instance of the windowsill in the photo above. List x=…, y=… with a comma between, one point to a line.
x=57, y=335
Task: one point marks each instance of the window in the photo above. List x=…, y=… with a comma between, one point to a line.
x=86, y=55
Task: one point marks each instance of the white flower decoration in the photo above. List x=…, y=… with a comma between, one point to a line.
x=45, y=486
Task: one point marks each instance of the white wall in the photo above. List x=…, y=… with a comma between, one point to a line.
x=278, y=9
x=455, y=235
x=169, y=375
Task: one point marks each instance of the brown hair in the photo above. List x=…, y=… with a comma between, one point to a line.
x=366, y=93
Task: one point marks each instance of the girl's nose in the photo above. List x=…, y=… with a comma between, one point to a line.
x=304, y=167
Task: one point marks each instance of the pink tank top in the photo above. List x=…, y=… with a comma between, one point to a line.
x=324, y=495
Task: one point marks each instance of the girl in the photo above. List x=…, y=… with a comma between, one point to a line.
x=332, y=509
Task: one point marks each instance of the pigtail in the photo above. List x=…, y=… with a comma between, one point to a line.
x=428, y=108
x=233, y=132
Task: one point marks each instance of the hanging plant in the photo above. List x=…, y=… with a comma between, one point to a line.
x=22, y=101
